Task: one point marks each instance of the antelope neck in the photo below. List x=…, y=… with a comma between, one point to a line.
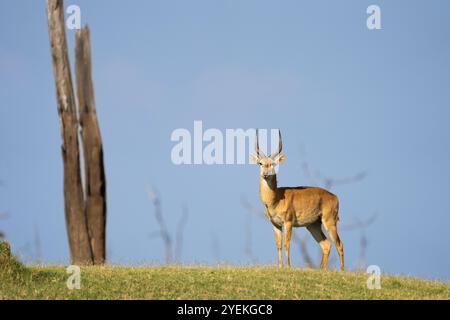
x=268, y=190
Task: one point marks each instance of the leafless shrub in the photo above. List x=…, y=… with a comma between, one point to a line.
x=180, y=232
x=361, y=226
x=163, y=231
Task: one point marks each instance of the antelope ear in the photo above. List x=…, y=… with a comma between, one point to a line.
x=279, y=158
x=254, y=159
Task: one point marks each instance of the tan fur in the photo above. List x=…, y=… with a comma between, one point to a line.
x=289, y=207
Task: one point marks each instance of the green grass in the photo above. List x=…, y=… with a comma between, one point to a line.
x=206, y=282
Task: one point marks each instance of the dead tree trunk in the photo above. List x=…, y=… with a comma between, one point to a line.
x=85, y=218
x=80, y=249
x=92, y=147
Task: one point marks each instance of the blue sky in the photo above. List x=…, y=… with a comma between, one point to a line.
x=354, y=99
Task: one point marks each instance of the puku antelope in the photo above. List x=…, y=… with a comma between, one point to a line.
x=289, y=207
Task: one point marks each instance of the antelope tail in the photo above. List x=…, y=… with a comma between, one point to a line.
x=336, y=213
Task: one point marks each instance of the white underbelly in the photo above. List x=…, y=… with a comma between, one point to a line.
x=305, y=221
x=299, y=220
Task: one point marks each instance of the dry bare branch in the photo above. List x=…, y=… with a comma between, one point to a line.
x=163, y=231
x=360, y=224
x=303, y=245
x=180, y=232
x=327, y=182
x=330, y=182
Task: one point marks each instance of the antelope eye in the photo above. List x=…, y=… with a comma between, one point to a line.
x=260, y=163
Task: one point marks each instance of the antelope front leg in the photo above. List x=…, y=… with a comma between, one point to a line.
x=287, y=241
x=278, y=236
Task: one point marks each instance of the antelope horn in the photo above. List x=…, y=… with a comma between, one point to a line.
x=280, y=145
x=258, y=151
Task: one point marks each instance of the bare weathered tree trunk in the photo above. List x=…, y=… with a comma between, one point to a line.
x=80, y=249
x=95, y=183
x=85, y=217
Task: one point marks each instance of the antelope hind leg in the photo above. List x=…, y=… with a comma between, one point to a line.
x=331, y=228
x=316, y=231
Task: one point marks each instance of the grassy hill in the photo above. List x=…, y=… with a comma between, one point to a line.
x=203, y=282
